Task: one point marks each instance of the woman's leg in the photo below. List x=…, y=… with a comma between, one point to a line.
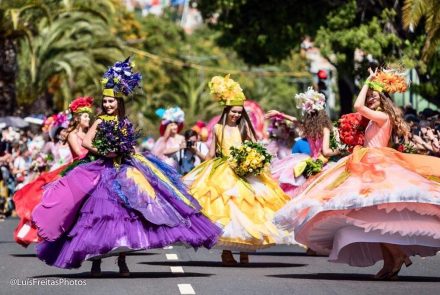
x=228, y=258
x=123, y=268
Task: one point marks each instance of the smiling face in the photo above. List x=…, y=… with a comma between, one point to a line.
x=234, y=114
x=110, y=105
x=373, y=99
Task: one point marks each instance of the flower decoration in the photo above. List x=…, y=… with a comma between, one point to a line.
x=407, y=148
x=351, y=129
x=226, y=91
x=250, y=158
x=174, y=114
x=310, y=101
x=81, y=105
x=389, y=80
x=115, y=136
x=56, y=120
x=120, y=79
x=201, y=129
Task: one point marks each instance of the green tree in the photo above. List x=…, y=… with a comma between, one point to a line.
x=16, y=24
x=340, y=29
x=414, y=11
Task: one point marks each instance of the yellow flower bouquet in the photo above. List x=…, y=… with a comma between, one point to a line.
x=250, y=158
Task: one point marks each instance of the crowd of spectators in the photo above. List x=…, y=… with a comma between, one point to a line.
x=425, y=130
x=21, y=151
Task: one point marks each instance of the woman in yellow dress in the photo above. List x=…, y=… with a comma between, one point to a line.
x=244, y=207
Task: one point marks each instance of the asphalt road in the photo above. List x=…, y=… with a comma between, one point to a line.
x=277, y=270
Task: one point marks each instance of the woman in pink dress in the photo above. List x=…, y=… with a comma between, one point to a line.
x=376, y=204
x=170, y=141
x=30, y=195
x=316, y=129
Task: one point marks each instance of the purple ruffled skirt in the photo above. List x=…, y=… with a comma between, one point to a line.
x=108, y=208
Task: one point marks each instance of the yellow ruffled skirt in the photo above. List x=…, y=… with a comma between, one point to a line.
x=244, y=207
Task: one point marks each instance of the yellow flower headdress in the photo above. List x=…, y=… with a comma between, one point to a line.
x=226, y=91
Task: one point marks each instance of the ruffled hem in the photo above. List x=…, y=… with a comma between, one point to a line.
x=96, y=235
x=353, y=236
x=243, y=207
x=298, y=212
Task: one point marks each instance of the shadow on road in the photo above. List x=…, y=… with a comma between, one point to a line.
x=351, y=277
x=23, y=255
x=140, y=253
x=283, y=254
x=133, y=275
x=219, y=264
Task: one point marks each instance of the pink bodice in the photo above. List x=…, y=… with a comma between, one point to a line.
x=377, y=136
x=315, y=147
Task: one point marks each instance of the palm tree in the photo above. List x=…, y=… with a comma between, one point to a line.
x=67, y=57
x=428, y=10
x=16, y=24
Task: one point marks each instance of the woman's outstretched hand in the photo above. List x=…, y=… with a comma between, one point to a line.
x=273, y=113
x=372, y=74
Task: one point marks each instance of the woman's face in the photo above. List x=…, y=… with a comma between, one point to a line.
x=110, y=105
x=373, y=100
x=235, y=114
x=84, y=120
x=63, y=135
x=173, y=127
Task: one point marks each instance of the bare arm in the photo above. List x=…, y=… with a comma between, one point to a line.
x=172, y=150
x=211, y=153
x=90, y=135
x=378, y=117
x=74, y=144
x=273, y=113
x=326, y=150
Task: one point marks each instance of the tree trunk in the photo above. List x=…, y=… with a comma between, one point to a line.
x=347, y=90
x=8, y=73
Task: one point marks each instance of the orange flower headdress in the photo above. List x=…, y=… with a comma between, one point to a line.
x=390, y=81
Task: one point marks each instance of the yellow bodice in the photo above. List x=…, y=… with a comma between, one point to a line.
x=232, y=137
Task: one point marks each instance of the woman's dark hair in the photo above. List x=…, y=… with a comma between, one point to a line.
x=244, y=124
x=56, y=138
x=189, y=133
x=121, y=107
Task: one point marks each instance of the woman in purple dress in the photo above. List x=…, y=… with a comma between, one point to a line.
x=122, y=201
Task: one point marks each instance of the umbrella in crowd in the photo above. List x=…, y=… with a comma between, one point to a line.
x=15, y=122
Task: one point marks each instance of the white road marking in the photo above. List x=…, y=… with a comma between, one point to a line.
x=186, y=289
x=167, y=247
x=176, y=269
x=172, y=257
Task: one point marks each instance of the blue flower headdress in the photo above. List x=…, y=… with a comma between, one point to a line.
x=120, y=80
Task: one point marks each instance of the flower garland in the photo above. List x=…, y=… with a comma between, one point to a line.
x=249, y=159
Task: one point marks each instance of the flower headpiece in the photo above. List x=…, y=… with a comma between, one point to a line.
x=81, y=105
x=310, y=101
x=52, y=123
x=389, y=80
x=120, y=80
x=226, y=91
x=171, y=115
x=201, y=129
